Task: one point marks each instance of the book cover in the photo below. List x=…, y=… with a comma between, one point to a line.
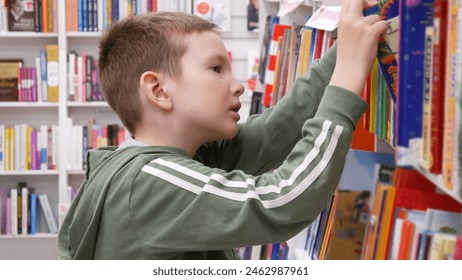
x=458, y=248
x=21, y=15
x=52, y=73
x=276, y=33
x=50, y=218
x=2, y=147
x=442, y=247
x=14, y=211
x=216, y=11
x=9, y=69
x=407, y=232
x=3, y=209
x=387, y=54
x=438, y=85
x=414, y=17
x=426, y=159
x=33, y=213
x=25, y=208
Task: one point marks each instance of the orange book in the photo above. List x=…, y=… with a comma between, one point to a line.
x=71, y=16
x=385, y=222
x=372, y=230
x=45, y=16
x=407, y=233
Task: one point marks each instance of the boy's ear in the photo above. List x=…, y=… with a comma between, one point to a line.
x=152, y=89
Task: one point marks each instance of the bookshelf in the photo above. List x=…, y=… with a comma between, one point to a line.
x=299, y=16
x=54, y=183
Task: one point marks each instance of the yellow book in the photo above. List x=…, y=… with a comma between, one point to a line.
x=305, y=49
x=450, y=99
x=52, y=73
x=28, y=148
x=385, y=223
x=12, y=149
x=109, y=13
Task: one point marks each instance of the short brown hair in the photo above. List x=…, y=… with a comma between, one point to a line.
x=136, y=44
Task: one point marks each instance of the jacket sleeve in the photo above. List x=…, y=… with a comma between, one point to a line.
x=194, y=207
x=265, y=140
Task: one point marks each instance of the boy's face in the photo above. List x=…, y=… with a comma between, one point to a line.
x=206, y=96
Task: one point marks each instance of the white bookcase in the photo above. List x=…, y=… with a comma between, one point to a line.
x=26, y=45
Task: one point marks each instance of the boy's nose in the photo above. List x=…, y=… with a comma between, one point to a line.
x=238, y=88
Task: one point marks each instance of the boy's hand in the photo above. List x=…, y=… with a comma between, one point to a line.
x=357, y=44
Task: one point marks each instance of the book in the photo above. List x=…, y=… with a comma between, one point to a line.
x=443, y=246
x=413, y=22
x=33, y=213
x=21, y=15
x=438, y=85
x=387, y=53
x=24, y=207
x=276, y=33
x=9, y=81
x=52, y=73
x=215, y=11
x=50, y=218
x=458, y=248
x=14, y=211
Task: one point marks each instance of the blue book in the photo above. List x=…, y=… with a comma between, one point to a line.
x=85, y=15
x=415, y=17
x=33, y=213
x=80, y=15
x=43, y=72
x=115, y=10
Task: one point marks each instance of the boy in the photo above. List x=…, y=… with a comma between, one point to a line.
x=192, y=184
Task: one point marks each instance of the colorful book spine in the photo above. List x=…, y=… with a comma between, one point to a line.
x=413, y=21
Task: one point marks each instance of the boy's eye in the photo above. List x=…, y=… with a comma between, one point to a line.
x=216, y=69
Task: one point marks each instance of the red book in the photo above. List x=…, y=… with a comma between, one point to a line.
x=278, y=31
x=438, y=85
x=405, y=244
x=318, y=44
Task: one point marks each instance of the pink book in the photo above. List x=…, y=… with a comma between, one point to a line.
x=33, y=150
x=458, y=249
x=33, y=87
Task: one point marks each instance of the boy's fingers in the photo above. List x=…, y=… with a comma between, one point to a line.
x=369, y=3
x=381, y=27
x=372, y=19
x=356, y=7
x=345, y=6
